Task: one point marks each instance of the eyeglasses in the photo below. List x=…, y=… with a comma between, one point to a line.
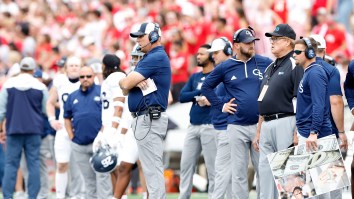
x=298, y=52
x=275, y=39
x=87, y=76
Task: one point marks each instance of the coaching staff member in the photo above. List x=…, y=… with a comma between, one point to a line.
x=150, y=119
x=241, y=76
x=22, y=103
x=276, y=104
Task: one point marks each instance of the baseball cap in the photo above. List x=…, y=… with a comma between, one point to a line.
x=28, y=63
x=146, y=28
x=216, y=45
x=245, y=36
x=320, y=40
x=282, y=30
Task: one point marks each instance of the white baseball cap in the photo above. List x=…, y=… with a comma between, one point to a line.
x=218, y=44
x=320, y=40
x=28, y=63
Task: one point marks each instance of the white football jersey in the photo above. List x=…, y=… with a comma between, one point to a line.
x=64, y=88
x=109, y=90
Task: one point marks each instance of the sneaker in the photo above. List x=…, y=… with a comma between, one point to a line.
x=20, y=195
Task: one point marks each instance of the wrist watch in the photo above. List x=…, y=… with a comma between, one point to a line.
x=314, y=133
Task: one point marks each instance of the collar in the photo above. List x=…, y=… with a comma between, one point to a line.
x=312, y=64
x=278, y=61
x=157, y=48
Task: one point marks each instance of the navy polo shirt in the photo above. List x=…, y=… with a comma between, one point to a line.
x=313, y=107
x=155, y=65
x=198, y=115
x=84, y=108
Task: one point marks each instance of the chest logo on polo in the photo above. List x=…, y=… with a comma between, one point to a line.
x=233, y=77
x=203, y=78
x=75, y=101
x=281, y=73
x=97, y=98
x=301, y=87
x=258, y=73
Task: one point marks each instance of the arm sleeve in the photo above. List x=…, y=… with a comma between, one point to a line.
x=318, y=87
x=334, y=84
x=209, y=85
x=3, y=103
x=188, y=92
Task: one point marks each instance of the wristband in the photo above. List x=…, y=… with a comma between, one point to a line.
x=341, y=132
x=52, y=118
x=116, y=119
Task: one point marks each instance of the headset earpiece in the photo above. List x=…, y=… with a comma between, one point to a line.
x=228, y=48
x=309, y=51
x=154, y=35
x=211, y=57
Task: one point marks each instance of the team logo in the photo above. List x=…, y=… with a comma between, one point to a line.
x=233, y=77
x=249, y=33
x=258, y=73
x=107, y=161
x=301, y=87
x=276, y=29
x=75, y=101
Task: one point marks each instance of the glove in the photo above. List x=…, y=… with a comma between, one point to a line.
x=98, y=142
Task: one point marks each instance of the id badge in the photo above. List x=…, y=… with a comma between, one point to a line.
x=263, y=92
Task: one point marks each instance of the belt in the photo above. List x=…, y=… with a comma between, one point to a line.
x=139, y=113
x=276, y=116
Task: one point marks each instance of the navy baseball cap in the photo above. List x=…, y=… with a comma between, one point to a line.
x=38, y=73
x=245, y=36
x=282, y=30
x=146, y=28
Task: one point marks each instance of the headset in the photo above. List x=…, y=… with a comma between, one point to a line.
x=154, y=35
x=235, y=37
x=228, y=48
x=309, y=51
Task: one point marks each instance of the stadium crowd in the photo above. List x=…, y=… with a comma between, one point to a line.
x=51, y=31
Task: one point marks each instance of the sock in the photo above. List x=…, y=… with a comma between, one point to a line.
x=124, y=197
x=144, y=195
x=61, y=181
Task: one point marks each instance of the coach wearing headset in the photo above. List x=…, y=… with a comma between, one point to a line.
x=148, y=87
x=241, y=76
x=313, y=107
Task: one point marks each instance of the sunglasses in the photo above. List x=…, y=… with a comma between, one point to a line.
x=298, y=52
x=87, y=76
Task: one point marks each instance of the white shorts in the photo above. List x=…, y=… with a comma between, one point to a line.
x=128, y=151
x=62, y=146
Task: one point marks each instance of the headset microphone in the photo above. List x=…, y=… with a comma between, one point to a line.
x=139, y=48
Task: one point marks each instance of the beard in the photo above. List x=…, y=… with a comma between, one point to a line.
x=202, y=63
x=247, y=53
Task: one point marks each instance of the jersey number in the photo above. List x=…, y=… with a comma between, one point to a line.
x=105, y=102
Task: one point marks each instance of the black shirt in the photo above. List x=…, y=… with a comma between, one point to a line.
x=283, y=78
